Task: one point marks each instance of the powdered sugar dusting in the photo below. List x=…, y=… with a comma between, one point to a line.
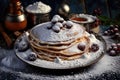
x=43, y=34
x=106, y=64
x=38, y=7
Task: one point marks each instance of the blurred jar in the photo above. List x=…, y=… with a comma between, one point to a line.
x=64, y=9
x=91, y=23
x=15, y=19
x=38, y=12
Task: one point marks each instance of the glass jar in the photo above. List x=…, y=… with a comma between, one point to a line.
x=15, y=19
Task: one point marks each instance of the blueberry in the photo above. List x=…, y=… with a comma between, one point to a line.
x=32, y=56
x=49, y=26
x=118, y=45
x=56, y=29
x=117, y=35
x=69, y=24
x=81, y=47
x=115, y=48
x=116, y=30
x=106, y=33
x=111, y=27
x=23, y=46
x=113, y=45
x=112, y=53
x=59, y=24
x=61, y=20
x=54, y=20
x=94, y=48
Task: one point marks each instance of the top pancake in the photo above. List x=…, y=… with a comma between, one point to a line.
x=44, y=35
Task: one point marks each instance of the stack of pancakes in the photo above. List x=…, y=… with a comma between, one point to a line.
x=49, y=44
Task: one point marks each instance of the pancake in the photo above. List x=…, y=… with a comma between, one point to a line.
x=33, y=38
x=63, y=39
x=44, y=35
x=56, y=46
x=68, y=49
x=48, y=58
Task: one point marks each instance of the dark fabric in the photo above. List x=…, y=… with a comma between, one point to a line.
x=3, y=9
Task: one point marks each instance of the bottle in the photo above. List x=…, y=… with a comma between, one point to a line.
x=15, y=19
x=64, y=9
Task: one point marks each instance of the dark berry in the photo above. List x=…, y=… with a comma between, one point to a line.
x=106, y=33
x=49, y=26
x=116, y=26
x=115, y=48
x=56, y=29
x=94, y=48
x=116, y=30
x=118, y=45
x=68, y=27
x=61, y=20
x=113, y=45
x=110, y=48
x=111, y=27
x=109, y=31
x=118, y=48
x=23, y=46
x=59, y=24
x=117, y=34
x=112, y=53
x=32, y=56
x=69, y=24
x=81, y=47
x=54, y=20
x=64, y=23
x=112, y=32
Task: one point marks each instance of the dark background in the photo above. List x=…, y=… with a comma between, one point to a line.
x=110, y=8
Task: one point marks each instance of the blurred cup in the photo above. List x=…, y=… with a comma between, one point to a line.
x=38, y=12
x=88, y=21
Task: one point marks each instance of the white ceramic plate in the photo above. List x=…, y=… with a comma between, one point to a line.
x=83, y=61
